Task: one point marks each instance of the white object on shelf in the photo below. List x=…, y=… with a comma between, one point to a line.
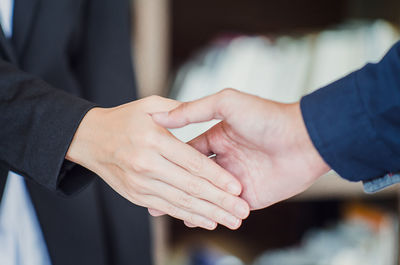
x=284, y=70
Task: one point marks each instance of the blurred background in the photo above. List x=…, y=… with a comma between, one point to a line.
x=279, y=50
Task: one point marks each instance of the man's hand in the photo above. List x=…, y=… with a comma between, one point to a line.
x=264, y=144
x=147, y=165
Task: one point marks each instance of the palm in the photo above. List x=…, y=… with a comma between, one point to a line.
x=263, y=143
x=263, y=158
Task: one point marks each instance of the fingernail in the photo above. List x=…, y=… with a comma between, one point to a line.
x=234, y=188
x=241, y=211
x=210, y=224
x=233, y=221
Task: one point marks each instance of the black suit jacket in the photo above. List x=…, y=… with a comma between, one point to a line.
x=65, y=57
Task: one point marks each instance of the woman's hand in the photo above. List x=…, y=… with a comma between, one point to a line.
x=147, y=165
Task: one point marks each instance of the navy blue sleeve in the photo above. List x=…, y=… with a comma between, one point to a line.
x=355, y=122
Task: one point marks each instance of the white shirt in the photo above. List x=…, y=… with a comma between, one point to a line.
x=21, y=238
x=6, y=14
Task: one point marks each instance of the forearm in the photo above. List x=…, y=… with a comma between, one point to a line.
x=354, y=122
x=303, y=143
x=38, y=123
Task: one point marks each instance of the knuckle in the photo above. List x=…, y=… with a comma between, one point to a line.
x=224, y=100
x=140, y=164
x=195, y=187
x=227, y=92
x=195, y=164
x=121, y=157
x=181, y=112
x=225, y=201
x=183, y=106
x=217, y=215
x=185, y=202
x=151, y=138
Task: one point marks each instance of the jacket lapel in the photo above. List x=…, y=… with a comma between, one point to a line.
x=24, y=14
x=6, y=49
x=3, y=179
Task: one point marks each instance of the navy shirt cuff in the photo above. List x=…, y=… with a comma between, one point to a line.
x=342, y=132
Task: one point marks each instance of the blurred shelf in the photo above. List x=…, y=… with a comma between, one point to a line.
x=170, y=31
x=195, y=23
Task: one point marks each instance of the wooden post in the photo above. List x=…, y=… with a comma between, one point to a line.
x=151, y=20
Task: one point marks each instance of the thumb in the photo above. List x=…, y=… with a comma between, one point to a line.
x=201, y=110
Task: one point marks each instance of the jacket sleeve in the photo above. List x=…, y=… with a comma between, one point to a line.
x=37, y=125
x=355, y=122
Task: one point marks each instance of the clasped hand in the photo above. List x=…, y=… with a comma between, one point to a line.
x=147, y=165
x=264, y=144
x=263, y=155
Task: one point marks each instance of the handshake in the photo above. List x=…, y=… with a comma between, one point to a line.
x=259, y=154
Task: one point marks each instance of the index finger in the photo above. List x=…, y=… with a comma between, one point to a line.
x=198, y=164
x=201, y=110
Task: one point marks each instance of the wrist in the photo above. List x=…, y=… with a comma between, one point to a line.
x=303, y=142
x=81, y=147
